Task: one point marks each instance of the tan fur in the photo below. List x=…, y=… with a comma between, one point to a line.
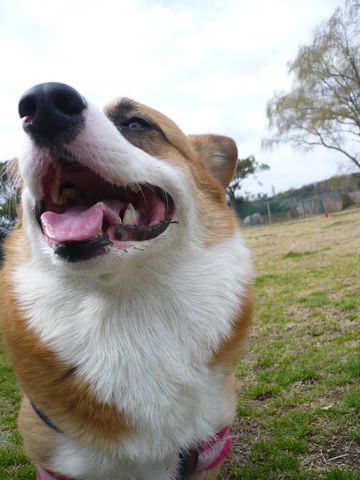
x=218, y=222
x=228, y=352
x=219, y=153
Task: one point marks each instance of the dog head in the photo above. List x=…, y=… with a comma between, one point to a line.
x=105, y=187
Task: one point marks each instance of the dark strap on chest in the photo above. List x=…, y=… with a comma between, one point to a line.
x=45, y=419
x=188, y=464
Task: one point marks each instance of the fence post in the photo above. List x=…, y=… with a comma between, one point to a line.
x=303, y=205
x=268, y=209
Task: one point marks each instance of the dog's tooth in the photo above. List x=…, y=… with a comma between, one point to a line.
x=67, y=194
x=131, y=215
x=134, y=187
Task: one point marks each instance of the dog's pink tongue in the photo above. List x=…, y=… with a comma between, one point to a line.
x=79, y=223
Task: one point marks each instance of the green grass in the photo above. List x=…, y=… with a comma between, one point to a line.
x=298, y=413
x=13, y=463
x=297, y=255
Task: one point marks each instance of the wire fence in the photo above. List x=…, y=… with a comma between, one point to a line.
x=287, y=207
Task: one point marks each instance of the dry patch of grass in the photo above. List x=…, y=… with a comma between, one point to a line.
x=299, y=407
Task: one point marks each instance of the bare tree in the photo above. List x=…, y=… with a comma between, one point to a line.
x=323, y=106
x=244, y=167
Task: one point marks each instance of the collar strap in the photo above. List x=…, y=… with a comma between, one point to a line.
x=188, y=463
x=45, y=419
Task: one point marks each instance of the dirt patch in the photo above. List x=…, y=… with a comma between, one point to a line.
x=340, y=453
x=245, y=433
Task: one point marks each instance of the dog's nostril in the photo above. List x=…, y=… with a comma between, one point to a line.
x=27, y=107
x=68, y=103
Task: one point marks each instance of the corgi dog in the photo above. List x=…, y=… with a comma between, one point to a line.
x=125, y=292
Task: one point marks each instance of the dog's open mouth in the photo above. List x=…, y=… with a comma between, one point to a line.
x=82, y=215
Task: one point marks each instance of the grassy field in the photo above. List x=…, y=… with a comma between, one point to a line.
x=298, y=413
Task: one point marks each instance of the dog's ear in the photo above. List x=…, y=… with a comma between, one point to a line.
x=219, y=154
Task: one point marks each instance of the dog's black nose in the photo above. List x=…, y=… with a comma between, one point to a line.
x=52, y=112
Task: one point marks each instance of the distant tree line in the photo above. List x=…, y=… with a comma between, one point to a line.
x=342, y=183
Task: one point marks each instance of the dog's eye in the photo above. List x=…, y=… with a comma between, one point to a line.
x=136, y=123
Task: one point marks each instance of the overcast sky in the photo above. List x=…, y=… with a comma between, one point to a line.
x=209, y=65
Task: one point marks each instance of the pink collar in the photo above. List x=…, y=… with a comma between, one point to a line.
x=213, y=452
x=42, y=474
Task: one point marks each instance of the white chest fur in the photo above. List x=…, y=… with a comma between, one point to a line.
x=145, y=344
